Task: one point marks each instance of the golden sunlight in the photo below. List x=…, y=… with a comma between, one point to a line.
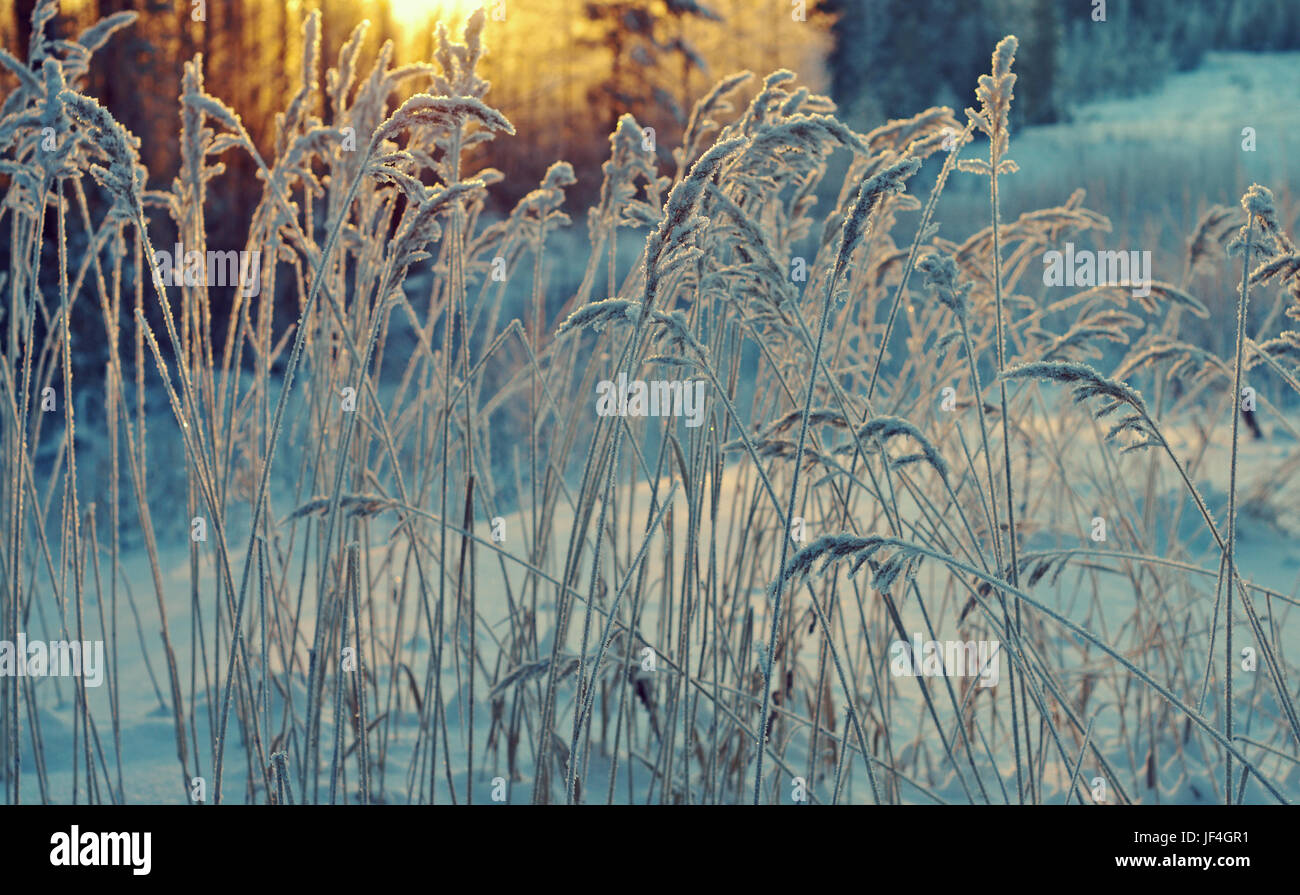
x=421, y=12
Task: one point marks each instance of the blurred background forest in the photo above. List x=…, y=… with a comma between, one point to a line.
x=563, y=71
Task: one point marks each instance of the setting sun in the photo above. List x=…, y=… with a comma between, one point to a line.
x=421, y=12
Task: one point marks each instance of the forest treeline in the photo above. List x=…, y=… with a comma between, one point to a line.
x=889, y=57
x=562, y=71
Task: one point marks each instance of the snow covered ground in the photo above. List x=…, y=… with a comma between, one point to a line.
x=1268, y=557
